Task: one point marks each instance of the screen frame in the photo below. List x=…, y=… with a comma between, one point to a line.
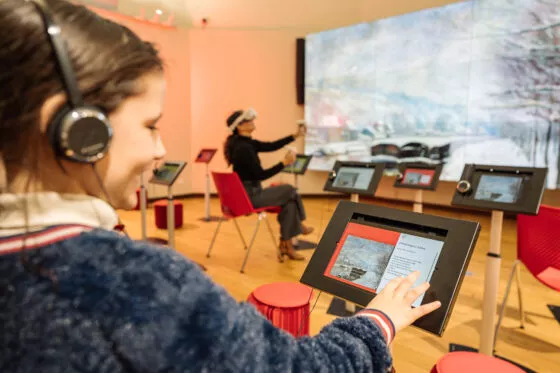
x=373, y=184
x=530, y=195
x=403, y=167
x=307, y=159
x=180, y=164
x=449, y=272
x=205, y=150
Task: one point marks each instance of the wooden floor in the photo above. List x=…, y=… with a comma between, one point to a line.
x=415, y=351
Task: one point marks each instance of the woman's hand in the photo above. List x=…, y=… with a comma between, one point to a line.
x=289, y=158
x=396, y=299
x=302, y=130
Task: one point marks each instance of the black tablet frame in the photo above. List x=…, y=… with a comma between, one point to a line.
x=459, y=242
x=403, y=167
x=181, y=164
x=373, y=184
x=530, y=195
x=304, y=169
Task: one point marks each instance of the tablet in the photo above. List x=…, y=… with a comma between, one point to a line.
x=299, y=166
x=205, y=155
x=355, y=177
x=418, y=176
x=365, y=246
x=168, y=173
x=501, y=188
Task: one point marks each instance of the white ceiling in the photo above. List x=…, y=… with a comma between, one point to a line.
x=275, y=14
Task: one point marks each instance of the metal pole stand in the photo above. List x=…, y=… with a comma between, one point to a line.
x=143, y=208
x=296, y=242
x=417, y=206
x=170, y=218
x=491, y=283
x=207, y=217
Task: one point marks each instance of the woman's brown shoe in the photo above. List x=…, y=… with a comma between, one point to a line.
x=287, y=249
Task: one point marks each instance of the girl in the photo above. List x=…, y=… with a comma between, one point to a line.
x=241, y=152
x=76, y=296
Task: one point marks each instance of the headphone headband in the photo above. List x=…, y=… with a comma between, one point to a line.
x=248, y=114
x=61, y=55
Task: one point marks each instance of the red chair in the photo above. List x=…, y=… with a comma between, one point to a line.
x=235, y=203
x=538, y=248
x=468, y=362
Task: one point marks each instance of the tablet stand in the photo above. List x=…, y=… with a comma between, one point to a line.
x=417, y=206
x=526, y=200
x=207, y=217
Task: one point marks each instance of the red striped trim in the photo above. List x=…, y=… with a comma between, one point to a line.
x=34, y=240
x=382, y=320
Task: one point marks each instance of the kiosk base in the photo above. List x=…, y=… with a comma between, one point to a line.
x=210, y=219
x=304, y=245
x=456, y=347
x=555, y=311
x=338, y=308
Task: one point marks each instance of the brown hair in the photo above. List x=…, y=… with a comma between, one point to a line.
x=107, y=58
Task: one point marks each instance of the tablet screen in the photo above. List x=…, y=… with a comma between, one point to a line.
x=498, y=188
x=369, y=257
x=166, y=173
x=297, y=166
x=415, y=176
x=353, y=177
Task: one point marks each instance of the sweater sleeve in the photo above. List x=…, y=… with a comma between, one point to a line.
x=246, y=159
x=272, y=146
x=190, y=324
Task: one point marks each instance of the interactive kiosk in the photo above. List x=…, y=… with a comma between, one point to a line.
x=497, y=189
x=167, y=174
x=205, y=156
x=418, y=176
x=354, y=178
x=365, y=246
x=298, y=168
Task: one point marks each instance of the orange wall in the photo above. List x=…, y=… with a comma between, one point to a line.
x=175, y=125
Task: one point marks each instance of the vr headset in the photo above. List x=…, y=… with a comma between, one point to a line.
x=248, y=114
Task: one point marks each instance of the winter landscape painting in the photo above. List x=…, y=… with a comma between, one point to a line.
x=471, y=82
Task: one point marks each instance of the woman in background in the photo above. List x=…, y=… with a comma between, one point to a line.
x=241, y=152
x=76, y=296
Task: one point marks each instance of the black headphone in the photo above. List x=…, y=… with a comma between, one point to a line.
x=78, y=132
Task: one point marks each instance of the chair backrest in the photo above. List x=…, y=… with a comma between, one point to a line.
x=233, y=196
x=538, y=239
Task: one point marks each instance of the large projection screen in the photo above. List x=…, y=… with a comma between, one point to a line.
x=471, y=82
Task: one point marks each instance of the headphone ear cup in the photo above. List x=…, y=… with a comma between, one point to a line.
x=54, y=130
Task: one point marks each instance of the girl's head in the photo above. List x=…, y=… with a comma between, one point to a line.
x=239, y=122
x=116, y=72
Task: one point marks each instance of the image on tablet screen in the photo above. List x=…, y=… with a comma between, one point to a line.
x=353, y=178
x=167, y=172
x=369, y=257
x=418, y=177
x=498, y=188
x=297, y=166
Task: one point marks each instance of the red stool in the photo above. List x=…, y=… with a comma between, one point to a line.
x=285, y=305
x=160, y=208
x=468, y=362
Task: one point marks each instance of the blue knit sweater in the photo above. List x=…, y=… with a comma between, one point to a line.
x=126, y=306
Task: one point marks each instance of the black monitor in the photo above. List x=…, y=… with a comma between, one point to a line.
x=205, y=155
x=365, y=246
x=299, y=167
x=501, y=188
x=167, y=173
x=418, y=176
x=355, y=177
